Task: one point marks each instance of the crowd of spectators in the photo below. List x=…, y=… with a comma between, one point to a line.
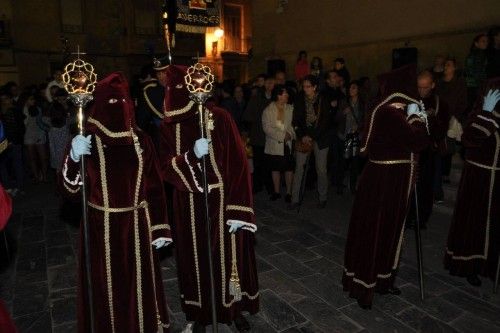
x=301, y=132
x=37, y=123
x=320, y=113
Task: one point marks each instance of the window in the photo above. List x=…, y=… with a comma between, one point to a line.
x=232, y=28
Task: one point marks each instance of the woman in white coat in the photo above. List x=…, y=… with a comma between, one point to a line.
x=277, y=125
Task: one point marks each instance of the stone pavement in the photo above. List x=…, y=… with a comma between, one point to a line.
x=300, y=259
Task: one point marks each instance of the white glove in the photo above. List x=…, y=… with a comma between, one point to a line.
x=413, y=108
x=491, y=100
x=160, y=242
x=80, y=145
x=234, y=227
x=201, y=147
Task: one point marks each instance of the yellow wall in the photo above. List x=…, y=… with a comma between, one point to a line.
x=365, y=32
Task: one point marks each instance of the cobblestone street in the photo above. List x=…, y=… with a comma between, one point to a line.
x=300, y=258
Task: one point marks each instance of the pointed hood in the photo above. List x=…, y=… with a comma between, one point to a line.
x=178, y=105
x=402, y=80
x=113, y=107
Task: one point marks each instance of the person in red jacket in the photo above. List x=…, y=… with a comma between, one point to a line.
x=6, y=322
x=302, y=66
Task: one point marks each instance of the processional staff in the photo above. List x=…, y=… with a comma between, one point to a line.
x=418, y=238
x=79, y=81
x=199, y=82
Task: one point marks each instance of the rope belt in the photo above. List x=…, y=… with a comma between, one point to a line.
x=391, y=162
x=483, y=166
x=143, y=204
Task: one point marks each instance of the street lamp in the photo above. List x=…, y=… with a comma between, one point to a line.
x=218, y=33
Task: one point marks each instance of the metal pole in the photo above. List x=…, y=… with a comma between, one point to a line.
x=208, y=224
x=419, y=246
x=303, y=182
x=85, y=224
x=495, y=286
x=167, y=32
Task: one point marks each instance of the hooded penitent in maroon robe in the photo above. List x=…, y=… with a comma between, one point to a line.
x=378, y=215
x=230, y=199
x=439, y=118
x=474, y=236
x=126, y=213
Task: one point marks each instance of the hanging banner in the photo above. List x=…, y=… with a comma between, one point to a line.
x=196, y=15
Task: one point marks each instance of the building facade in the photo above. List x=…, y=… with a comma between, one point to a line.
x=365, y=32
x=36, y=37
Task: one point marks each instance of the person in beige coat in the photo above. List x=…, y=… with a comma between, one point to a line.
x=277, y=125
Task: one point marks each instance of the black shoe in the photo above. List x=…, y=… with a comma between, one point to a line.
x=288, y=198
x=364, y=306
x=275, y=196
x=293, y=206
x=242, y=325
x=474, y=280
x=322, y=204
x=198, y=328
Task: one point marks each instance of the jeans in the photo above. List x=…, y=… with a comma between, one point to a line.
x=320, y=156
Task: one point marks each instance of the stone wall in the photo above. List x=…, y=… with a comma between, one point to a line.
x=365, y=32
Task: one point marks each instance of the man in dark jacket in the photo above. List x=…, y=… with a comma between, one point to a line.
x=312, y=122
x=335, y=97
x=253, y=119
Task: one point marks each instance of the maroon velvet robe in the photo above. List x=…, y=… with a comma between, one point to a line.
x=126, y=213
x=230, y=198
x=377, y=222
x=438, y=126
x=474, y=236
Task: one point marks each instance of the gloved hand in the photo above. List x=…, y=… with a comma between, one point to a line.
x=80, y=145
x=491, y=99
x=234, y=227
x=413, y=109
x=201, y=147
x=160, y=242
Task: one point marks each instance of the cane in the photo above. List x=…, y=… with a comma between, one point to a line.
x=302, y=189
x=419, y=246
x=199, y=81
x=79, y=80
